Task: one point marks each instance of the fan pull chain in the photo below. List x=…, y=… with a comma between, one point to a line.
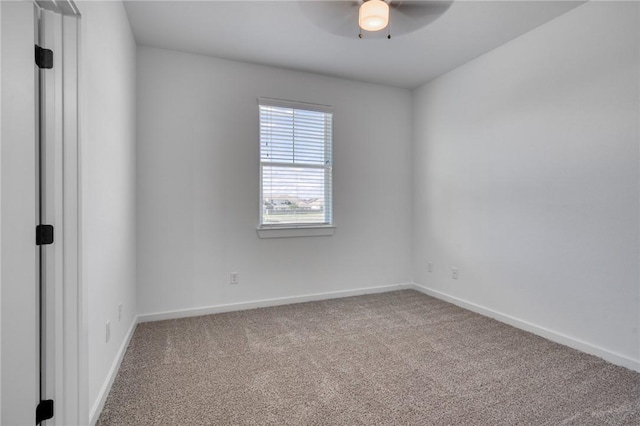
x=389, y=26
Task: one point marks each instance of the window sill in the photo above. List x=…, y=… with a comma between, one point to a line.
x=306, y=231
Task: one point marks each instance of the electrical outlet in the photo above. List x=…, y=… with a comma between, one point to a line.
x=120, y=312
x=454, y=273
x=430, y=267
x=108, y=331
x=233, y=278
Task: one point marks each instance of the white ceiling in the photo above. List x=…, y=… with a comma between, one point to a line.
x=278, y=33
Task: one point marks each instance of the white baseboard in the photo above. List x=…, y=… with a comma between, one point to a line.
x=208, y=310
x=113, y=371
x=554, y=336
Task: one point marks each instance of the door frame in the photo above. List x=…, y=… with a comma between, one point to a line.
x=75, y=364
x=66, y=366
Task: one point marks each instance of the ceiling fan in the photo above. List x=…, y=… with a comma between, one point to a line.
x=373, y=18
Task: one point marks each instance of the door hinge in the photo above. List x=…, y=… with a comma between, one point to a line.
x=44, y=235
x=44, y=411
x=44, y=57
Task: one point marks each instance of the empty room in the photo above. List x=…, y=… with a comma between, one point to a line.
x=320, y=212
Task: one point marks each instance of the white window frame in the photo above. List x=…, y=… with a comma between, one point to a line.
x=296, y=229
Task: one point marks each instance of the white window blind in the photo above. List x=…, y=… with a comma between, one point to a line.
x=295, y=164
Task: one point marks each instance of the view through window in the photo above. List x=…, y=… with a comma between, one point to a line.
x=295, y=163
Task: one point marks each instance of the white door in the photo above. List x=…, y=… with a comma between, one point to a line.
x=18, y=217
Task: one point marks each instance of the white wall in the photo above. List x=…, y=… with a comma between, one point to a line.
x=107, y=139
x=526, y=178
x=198, y=185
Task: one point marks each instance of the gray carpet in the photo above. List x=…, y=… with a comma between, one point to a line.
x=392, y=358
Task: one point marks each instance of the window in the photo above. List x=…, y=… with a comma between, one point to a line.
x=295, y=164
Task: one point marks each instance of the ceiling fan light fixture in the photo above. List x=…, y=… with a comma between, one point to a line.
x=373, y=15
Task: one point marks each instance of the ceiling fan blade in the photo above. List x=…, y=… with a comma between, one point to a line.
x=419, y=8
x=336, y=17
x=409, y=16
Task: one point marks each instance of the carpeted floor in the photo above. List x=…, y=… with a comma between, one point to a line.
x=392, y=358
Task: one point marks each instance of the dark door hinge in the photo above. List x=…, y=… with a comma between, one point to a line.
x=44, y=235
x=44, y=411
x=44, y=57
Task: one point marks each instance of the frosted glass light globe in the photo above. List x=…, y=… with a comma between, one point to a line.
x=373, y=15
